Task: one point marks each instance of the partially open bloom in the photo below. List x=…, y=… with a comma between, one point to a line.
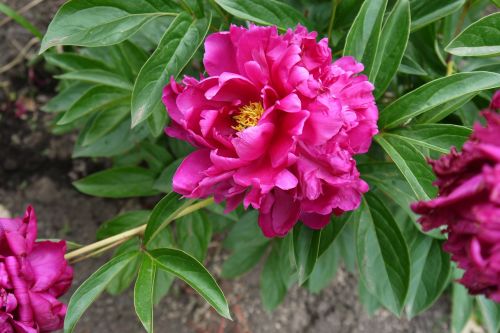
x=32, y=276
x=276, y=124
x=468, y=206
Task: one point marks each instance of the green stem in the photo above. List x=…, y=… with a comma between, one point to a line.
x=113, y=241
x=335, y=3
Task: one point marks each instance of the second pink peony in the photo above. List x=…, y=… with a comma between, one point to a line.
x=276, y=124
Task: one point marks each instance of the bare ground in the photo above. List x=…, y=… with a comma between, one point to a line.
x=36, y=168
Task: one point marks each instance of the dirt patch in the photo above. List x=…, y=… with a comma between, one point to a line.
x=36, y=168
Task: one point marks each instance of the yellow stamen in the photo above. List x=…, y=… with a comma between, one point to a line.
x=248, y=116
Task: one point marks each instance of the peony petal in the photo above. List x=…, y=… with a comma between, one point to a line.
x=191, y=172
x=220, y=55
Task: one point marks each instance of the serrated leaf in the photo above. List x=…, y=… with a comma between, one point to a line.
x=102, y=22
x=176, y=48
x=266, y=12
x=122, y=182
x=383, y=257
x=392, y=46
x=434, y=94
x=362, y=39
x=481, y=38
x=192, y=272
x=89, y=290
x=412, y=165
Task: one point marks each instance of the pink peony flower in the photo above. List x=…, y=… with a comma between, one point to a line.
x=32, y=276
x=468, y=205
x=276, y=124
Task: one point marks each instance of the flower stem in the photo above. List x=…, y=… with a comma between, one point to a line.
x=335, y=3
x=110, y=242
x=450, y=66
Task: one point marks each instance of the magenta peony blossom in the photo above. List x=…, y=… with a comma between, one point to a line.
x=276, y=124
x=32, y=276
x=468, y=206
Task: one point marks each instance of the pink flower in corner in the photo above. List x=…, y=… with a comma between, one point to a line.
x=32, y=276
x=276, y=124
x=468, y=206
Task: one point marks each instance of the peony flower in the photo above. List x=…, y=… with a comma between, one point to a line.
x=276, y=125
x=468, y=206
x=32, y=276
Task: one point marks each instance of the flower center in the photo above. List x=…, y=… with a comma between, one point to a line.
x=248, y=116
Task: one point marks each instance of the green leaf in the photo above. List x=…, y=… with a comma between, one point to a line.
x=411, y=67
x=121, y=223
x=242, y=260
x=437, y=137
x=101, y=22
x=424, y=12
x=434, y=94
x=383, y=259
x=192, y=272
x=370, y=302
x=461, y=307
x=491, y=313
x=411, y=163
x=122, y=182
x=155, y=155
x=265, y=12
x=430, y=273
x=272, y=287
x=73, y=61
x=194, y=233
x=164, y=182
x=89, y=290
x=67, y=97
x=324, y=269
x=123, y=280
x=392, y=46
x=118, y=141
x=362, y=39
x=444, y=110
x=104, y=122
x=305, y=249
x=176, y=48
x=165, y=211
x=9, y=12
x=331, y=231
x=98, y=76
x=144, y=293
x=246, y=232
x=95, y=99
x=481, y=38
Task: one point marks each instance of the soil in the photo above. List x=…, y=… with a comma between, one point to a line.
x=36, y=168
